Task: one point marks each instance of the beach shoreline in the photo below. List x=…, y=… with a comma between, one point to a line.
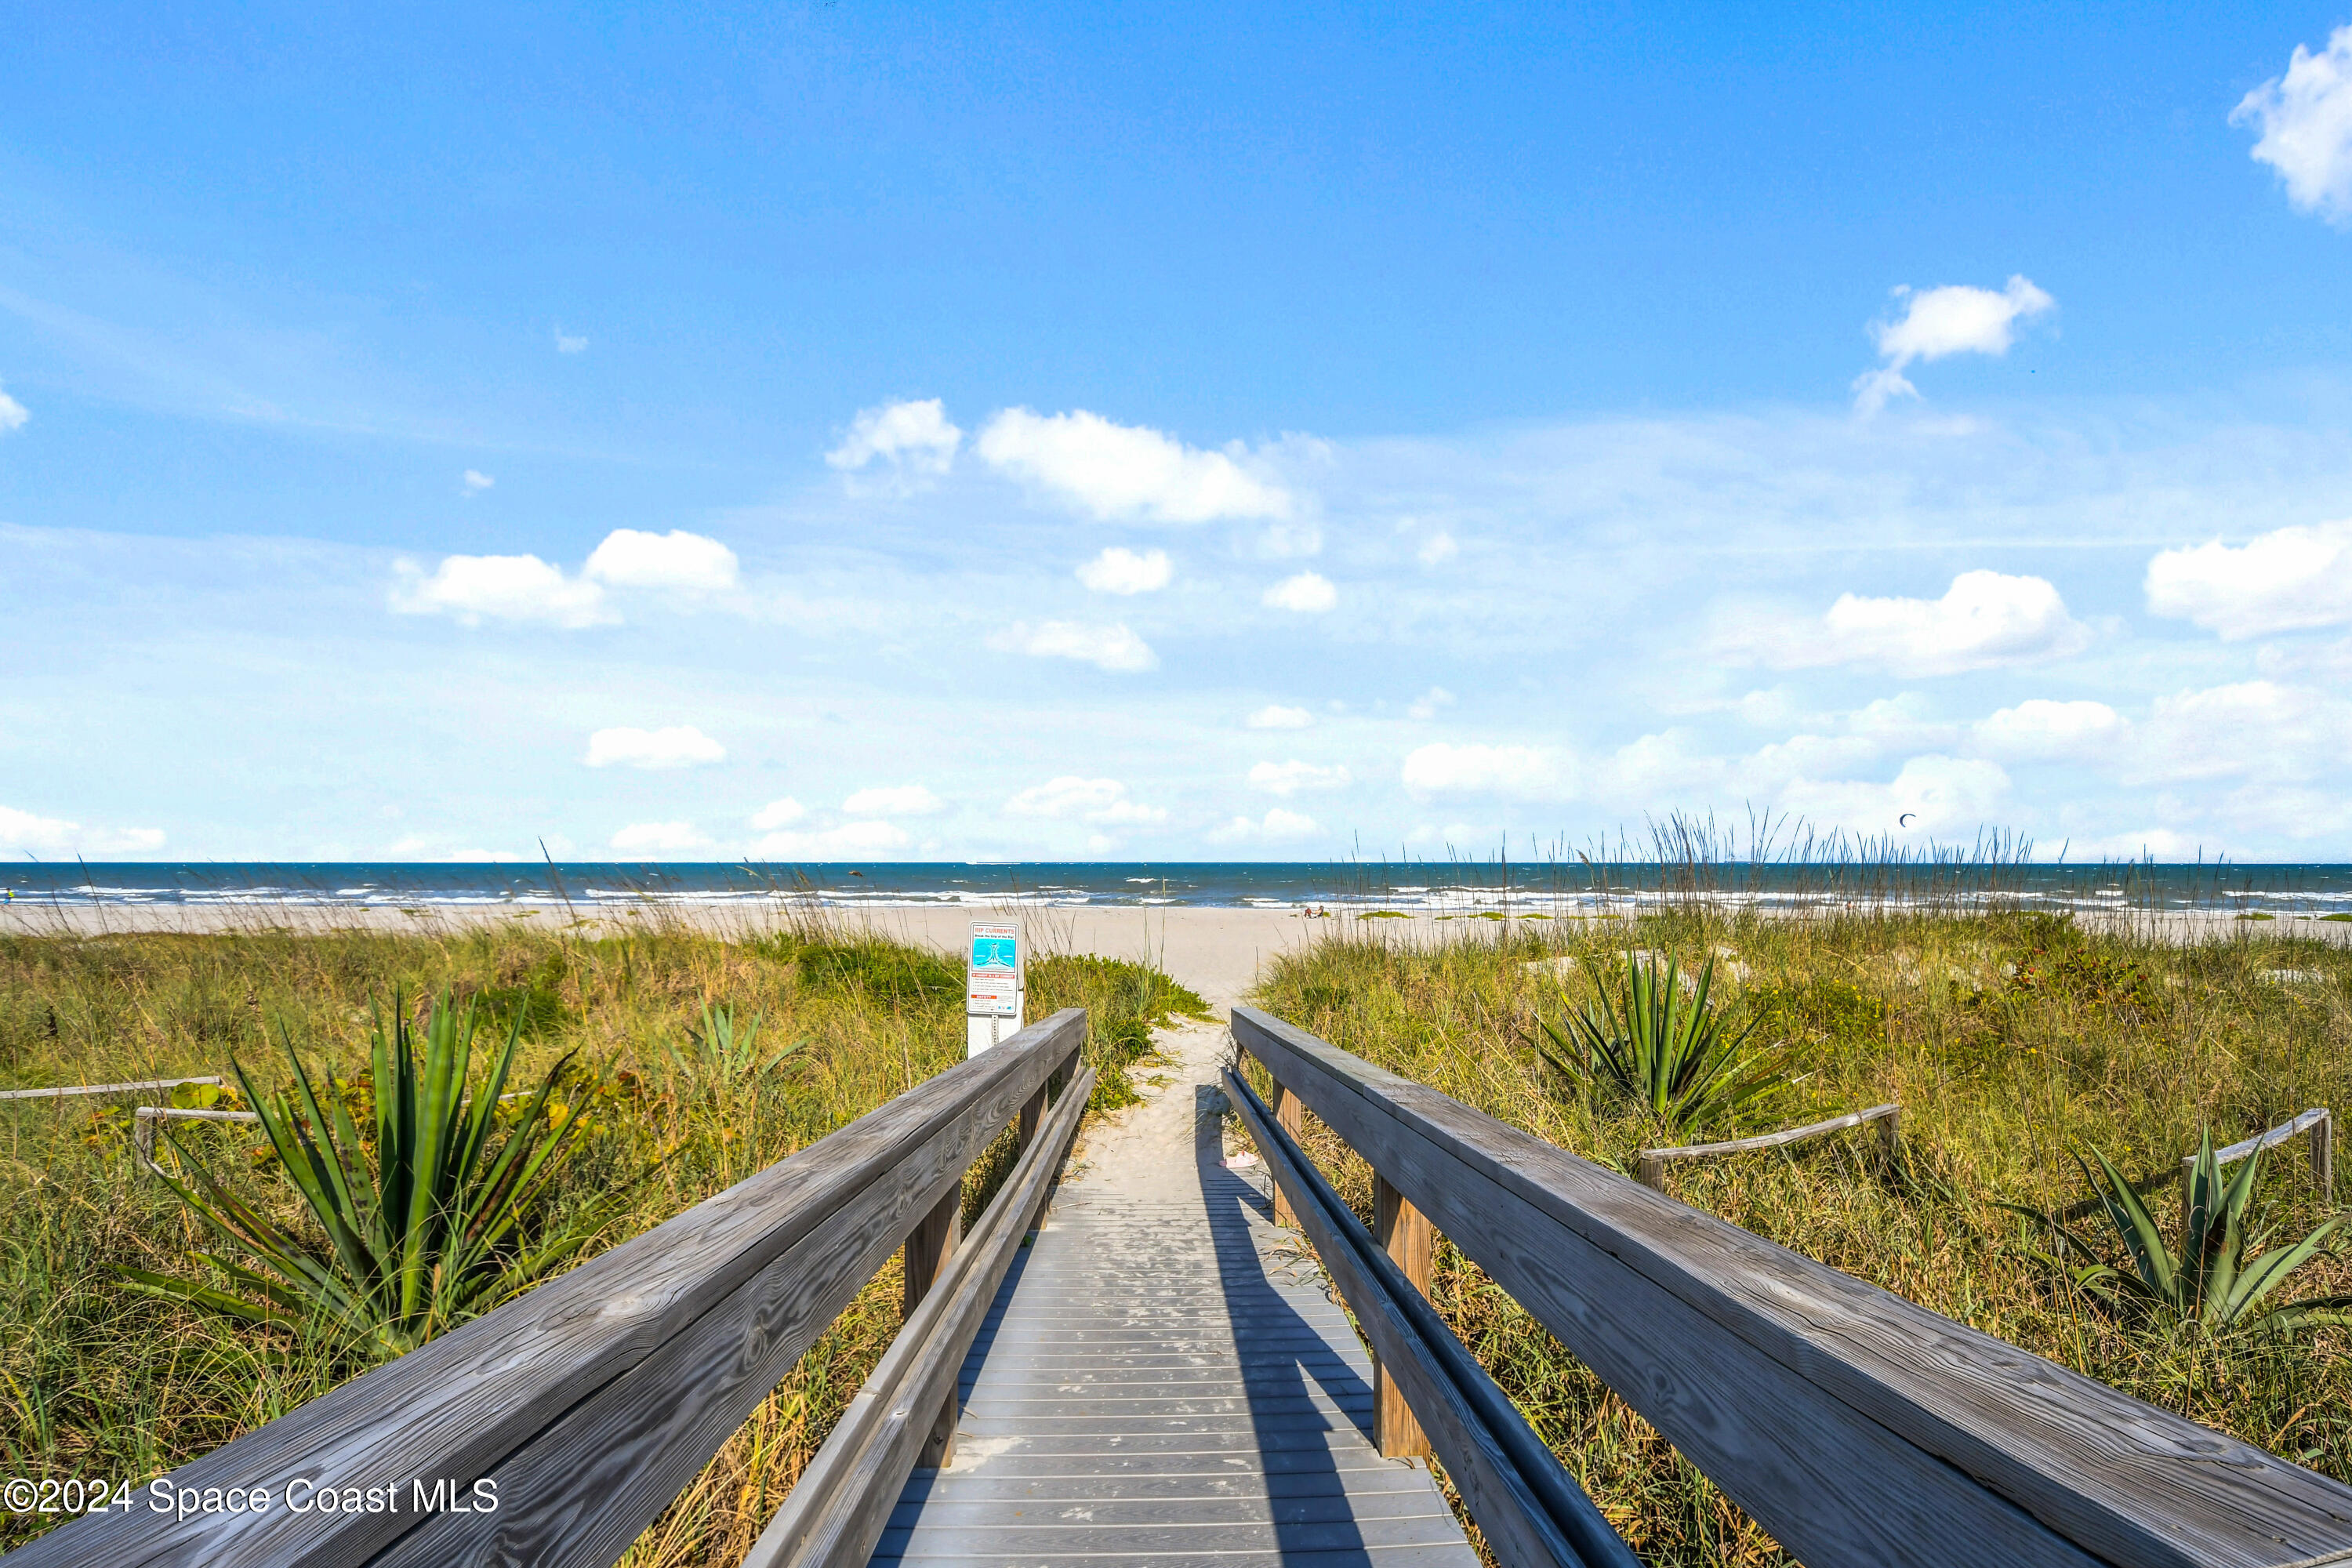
x=1219, y=951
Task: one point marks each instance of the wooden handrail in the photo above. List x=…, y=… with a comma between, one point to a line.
x=587, y=1404
x=1531, y=1511
x=72, y=1089
x=1857, y=1427
x=1651, y=1164
x=838, y=1508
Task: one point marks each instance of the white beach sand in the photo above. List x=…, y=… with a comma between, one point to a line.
x=1216, y=951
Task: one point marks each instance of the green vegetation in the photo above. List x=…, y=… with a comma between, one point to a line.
x=1673, y=1056
x=2208, y=1282
x=693, y=1061
x=435, y=1238
x=2010, y=1041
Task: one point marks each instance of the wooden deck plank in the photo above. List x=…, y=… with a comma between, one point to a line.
x=1168, y=1382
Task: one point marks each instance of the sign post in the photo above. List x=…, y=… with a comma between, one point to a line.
x=992, y=987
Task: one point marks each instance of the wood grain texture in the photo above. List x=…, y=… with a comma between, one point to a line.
x=1160, y=1376
x=1857, y=1426
x=1289, y=1115
x=845, y=1500
x=1531, y=1513
x=1404, y=1233
x=928, y=1249
x=588, y=1395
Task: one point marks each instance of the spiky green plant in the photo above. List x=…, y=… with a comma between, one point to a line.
x=435, y=1231
x=2210, y=1281
x=726, y=1050
x=1675, y=1056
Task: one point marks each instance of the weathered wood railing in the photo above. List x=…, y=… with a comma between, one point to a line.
x=586, y=1405
x=2319, y=1122
x=1859, y=1428
x=1650, y=1165
x=1428, y=1393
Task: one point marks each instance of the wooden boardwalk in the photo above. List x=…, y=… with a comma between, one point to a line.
x=1162, y=1378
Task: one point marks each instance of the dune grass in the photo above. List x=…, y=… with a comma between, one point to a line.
x=2010, y=1042
x=96, y=1379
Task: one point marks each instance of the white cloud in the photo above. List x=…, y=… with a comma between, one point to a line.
x=1952, y=320
x=1939, y=793
x=1126, y=470
x=1438, y=549
x=659, y=838
x=566, y=343
x=1099, y=801
x=914, y=439
x=1984, y=620
x=22, y=832
x=509, y=587
x=1428, y=703
x=1288, y=778
x=2042, y=728
x=1900, y=723
x=869, y=840
x=778, y=814
x=2286, y=580
x=2305, y=118
x=677, y=746
x=2257, y=729
x=1290, y=540
x=1112, y=648
x=1275, y=716
x=1308, y=594
x=1117, y=571
x=475, y=481
x=1277, y=826
x=688, y=562
x=1519, y=772
x=13, y=413
x=889, y=800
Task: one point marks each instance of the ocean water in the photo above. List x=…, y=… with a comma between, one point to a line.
x=1407, y=886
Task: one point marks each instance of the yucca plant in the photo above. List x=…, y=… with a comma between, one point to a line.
x=1669, y=1052
x=434, y=1232
x=2210, y=1281
x=726, y=1052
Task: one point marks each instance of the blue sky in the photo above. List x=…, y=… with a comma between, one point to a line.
x=866, y=432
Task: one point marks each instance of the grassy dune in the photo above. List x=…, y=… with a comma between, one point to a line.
x=95, y=1381
x=2010, y=1041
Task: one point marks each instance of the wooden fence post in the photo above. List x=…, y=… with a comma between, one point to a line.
x=928, y=1248
x=1403, y=1232
x=1289, y=1114
x=2322, y=1156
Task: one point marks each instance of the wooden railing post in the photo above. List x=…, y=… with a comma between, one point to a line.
x=1289, y=1114
x=1404, y=1233
x=2322, y=1156
x=928, y=1248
